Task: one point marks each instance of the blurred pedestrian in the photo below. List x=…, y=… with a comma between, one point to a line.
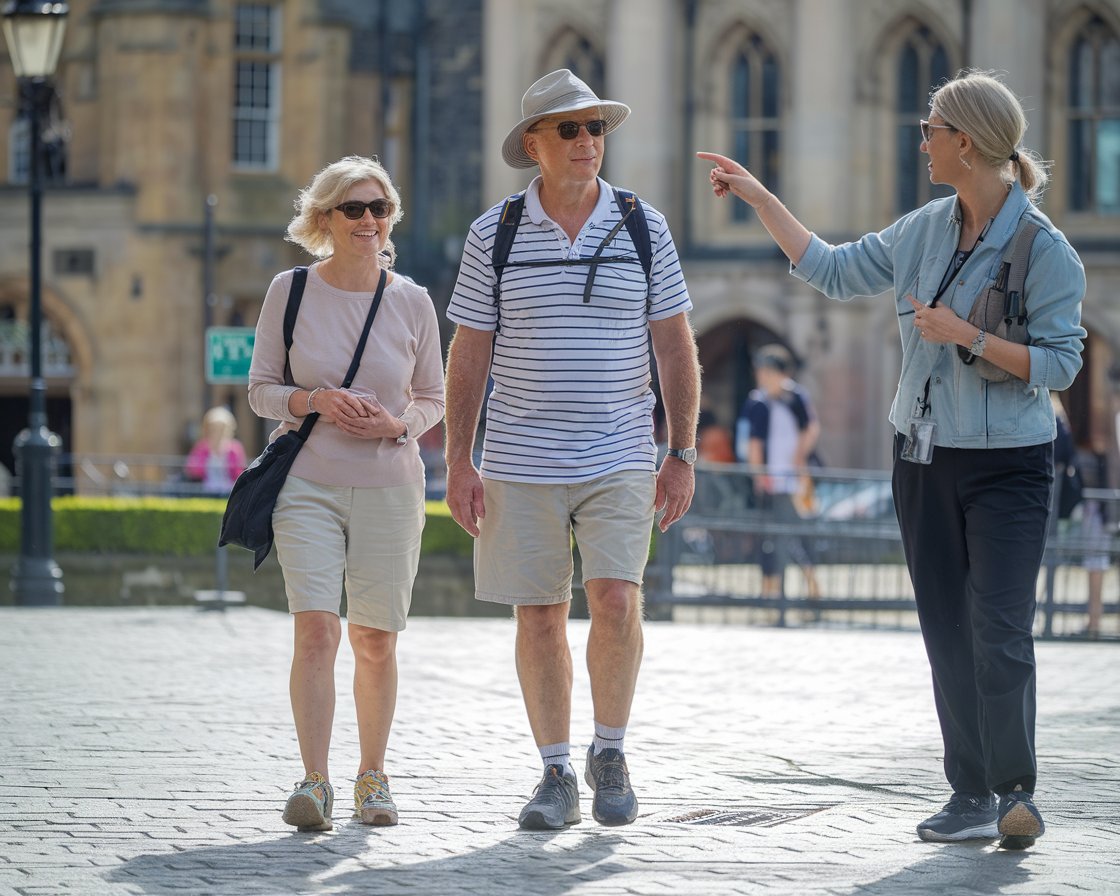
x=973, y=457
x=352, y=508
x=780, y=427
x=217, y=458
x=563, y=328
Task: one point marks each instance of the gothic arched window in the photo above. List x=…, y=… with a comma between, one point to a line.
x=755, y=114
x=1094, y=120
x=922, y=65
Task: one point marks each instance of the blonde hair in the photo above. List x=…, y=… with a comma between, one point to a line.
x=980, y=105
x=326, y=190
x=219, y=422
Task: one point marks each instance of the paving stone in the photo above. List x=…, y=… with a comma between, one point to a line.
x=154, y=749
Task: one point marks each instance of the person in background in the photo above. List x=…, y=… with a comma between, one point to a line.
x=352, y=508
x=973, y=458
x=569, y=447
x=713, y=440
x=1093, y=464
x=780, y=427
x=217, y=458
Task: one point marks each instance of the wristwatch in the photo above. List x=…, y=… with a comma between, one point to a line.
x=402, y=439
x=688, y=455
x=977, y=347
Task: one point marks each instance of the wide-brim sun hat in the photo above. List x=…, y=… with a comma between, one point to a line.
x=558, y=91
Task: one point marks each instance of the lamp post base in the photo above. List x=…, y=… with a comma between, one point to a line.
x=37, y=579
x=37, y=582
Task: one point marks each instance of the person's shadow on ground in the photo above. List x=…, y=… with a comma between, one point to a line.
x=545, y=864
x=955, y=868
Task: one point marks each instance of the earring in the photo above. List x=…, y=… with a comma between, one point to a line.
x=964, y=161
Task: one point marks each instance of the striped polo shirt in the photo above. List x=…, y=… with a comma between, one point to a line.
x=572, y=397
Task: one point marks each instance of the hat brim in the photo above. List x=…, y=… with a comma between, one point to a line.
x=513, y=148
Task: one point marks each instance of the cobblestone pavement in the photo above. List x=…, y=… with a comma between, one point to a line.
x=150, y=751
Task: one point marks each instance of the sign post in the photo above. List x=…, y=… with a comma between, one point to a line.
x=229, y=352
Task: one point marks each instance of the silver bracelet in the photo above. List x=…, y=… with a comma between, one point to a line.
x=311, y=395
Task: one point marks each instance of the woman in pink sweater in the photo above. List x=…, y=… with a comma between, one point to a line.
x=352, y=509
x=217, y=458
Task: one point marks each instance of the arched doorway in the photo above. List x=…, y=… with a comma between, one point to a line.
x=726, y=350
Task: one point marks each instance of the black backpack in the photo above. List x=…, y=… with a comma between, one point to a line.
x=633, y=216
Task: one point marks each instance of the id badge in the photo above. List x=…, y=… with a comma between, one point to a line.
x=918, y=447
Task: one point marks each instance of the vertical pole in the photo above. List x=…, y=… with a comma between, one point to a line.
x=209, y=300
x=37, y=579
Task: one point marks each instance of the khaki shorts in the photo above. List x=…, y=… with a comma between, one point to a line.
x=367, y=538
x=523, y=554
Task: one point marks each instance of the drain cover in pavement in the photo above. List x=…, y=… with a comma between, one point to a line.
x=741, y=817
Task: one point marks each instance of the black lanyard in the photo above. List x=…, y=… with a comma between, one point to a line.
x=957, y=262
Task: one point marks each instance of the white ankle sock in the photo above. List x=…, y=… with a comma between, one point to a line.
x=558, y=754
x=608, y=738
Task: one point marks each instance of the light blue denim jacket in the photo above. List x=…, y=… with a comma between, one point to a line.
x=911, y=256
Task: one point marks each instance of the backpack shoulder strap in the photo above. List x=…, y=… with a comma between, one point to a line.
x=295, y=296
x=637, y=226
x=508, y=222
x=1018, y=259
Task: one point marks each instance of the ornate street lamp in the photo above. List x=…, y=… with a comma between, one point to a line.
x=33, y=30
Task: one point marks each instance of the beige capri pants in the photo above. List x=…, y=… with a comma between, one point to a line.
x=367, y=539
x=523, y=554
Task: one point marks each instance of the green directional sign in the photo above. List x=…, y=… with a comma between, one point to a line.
x=229, y=351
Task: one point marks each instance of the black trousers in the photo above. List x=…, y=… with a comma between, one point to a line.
x=973, y=529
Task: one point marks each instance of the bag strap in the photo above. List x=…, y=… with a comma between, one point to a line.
x=295, y=296
x=309, y=421
x=508, y=222
x=638, y=228
x=1018, y=259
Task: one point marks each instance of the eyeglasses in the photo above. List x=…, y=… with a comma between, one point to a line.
x=355, y=210
x=927, y=127
x=569, y=130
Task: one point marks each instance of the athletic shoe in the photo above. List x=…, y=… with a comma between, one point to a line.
x=967, y=816
x=555, y=803
x=1020, y=823
x=373, y=803
x=607, y=775
x=309, y=808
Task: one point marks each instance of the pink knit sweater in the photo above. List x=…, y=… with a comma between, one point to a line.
x=402, y=366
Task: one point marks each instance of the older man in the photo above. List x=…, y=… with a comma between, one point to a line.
x=560, y=315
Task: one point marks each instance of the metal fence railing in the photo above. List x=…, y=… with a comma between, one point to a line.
x=159, y=475
x=842, y=560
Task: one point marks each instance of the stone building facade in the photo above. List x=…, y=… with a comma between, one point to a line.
x=187, y=129
x=824, y=97
x=165, y=103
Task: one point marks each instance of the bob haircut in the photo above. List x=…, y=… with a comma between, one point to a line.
x=327, y=189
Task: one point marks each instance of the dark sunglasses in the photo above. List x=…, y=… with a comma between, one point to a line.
x=569, y=130
x=354, y=210
x=927, y=129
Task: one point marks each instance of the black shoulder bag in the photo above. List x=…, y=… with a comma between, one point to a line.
x=247, y=521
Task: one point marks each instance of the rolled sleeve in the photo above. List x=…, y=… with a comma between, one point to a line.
x=1054, y=289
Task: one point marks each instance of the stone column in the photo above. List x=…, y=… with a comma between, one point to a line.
x=643, y=71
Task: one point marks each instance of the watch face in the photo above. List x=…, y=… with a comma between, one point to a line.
x=689, y=455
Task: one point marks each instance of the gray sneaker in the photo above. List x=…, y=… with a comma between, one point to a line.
x=1020, y=822
x=607, y=775
x=555, y=803
x=967, y=816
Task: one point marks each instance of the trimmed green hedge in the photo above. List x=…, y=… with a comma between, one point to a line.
x=180, y=527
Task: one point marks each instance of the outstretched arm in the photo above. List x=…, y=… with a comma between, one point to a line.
x=730, y=177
